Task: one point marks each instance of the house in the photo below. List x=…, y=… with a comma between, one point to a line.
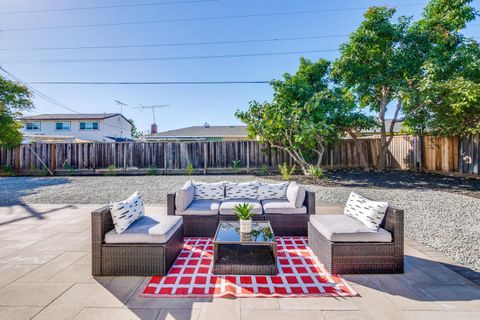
x=106, y=127
x=200, y=133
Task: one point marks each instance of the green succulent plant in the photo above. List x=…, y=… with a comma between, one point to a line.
x=243, y=211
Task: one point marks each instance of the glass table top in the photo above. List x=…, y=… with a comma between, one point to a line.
x=229, y=231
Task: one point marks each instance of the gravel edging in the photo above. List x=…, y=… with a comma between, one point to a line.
x=442, y=218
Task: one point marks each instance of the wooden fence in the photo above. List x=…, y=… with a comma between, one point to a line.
x=447, y=154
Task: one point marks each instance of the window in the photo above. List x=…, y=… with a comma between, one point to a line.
x=89, y=126
x=62, y=126
x=32, y=126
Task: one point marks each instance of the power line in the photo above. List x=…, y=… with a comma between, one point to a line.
x=95, y=83
x=53, y=101
x=241, y=16
x=177, y=44
x=201, y=57
x=147, y=4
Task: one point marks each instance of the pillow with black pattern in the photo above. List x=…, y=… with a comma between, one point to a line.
x=270, y=191
x=126, y=212
x=245, y=190
x=370, y=213
x=209, y=191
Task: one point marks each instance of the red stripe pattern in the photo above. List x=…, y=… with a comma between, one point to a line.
x=300, y=274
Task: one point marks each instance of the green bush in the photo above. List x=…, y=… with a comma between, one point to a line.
x=189, y=169
x=152, y=170
x=7, y=170
x=316, y=172
x=67, y=166
x=236, y=166
x=285, y=171
x=264, y=170
x=111, y=170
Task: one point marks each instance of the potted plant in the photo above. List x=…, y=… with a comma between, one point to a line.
x=244, y=212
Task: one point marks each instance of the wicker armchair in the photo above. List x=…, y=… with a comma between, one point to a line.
x=135, y=259
x=362, y=257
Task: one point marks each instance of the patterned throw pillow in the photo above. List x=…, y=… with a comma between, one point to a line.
x=209, y=191
x=370, y=213
x=126, y=212
x=269, y=191
x=246, y=190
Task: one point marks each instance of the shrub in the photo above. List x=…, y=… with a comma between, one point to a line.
x=189, y=169
x=152, y=170
x=7, y=170
x=111, y=170
x=316, y=172
x=285, y=171
x=236, y=166
x=264, y=170
x=67, y=166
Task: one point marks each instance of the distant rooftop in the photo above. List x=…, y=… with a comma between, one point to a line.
x=205, y=131
x=71, y=116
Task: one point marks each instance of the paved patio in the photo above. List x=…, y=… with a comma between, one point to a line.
x=45, y=273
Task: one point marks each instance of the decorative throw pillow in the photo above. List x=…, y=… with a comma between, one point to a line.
x=184, y=196
x=209, y=191
x=126, y=212
x=268, y=191
x=295, y=194
x=245, y=190
x=370, y=213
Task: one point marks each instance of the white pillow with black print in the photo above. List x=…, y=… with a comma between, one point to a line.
x=245, y=190
x=126, y=212
x=370, y=213
x=270, y=191
x=209, y=191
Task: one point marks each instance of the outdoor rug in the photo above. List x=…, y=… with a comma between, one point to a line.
x=300, y=274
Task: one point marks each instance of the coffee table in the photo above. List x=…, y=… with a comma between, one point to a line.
x=244, y=253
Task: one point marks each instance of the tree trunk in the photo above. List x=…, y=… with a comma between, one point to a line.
x=384, y=141
x=382, y=157
x=360, y=150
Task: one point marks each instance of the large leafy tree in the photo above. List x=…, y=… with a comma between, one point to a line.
x=305, y=115
x=14, y=98
x=374, y=64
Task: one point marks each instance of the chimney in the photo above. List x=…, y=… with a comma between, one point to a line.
x=153, y=128
x=206, y=125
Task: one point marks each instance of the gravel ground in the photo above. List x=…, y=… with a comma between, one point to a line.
x=441, y=212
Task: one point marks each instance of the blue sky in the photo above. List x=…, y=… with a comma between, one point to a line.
x=191, y=105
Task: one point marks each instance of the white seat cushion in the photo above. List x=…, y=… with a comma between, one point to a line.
x=226, y=208
x=282, y=207
x=200, y=208
x=151, y=228
x=341, y=228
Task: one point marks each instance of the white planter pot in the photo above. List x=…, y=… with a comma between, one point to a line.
x=246, y=226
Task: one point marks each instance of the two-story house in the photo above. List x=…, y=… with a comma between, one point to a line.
x=106, y=127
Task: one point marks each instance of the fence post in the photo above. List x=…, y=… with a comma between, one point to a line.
x=205, y=157
x=53, y=158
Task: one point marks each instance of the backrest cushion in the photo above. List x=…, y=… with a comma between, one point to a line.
x=270, y=191
x=295, y=194
x=370, y=213
x=209, y=191
x=126, y=212
x=184, y=196
x=245, y=190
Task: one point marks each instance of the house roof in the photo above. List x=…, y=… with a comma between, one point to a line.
x=396, y=128
x=71, y=116
x=204, y=132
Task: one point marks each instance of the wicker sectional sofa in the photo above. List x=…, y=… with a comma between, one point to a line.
x=201, y=216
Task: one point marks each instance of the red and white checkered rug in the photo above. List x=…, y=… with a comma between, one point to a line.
x=300, y=274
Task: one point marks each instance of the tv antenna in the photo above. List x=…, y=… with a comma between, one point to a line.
x=121, y=105
x=157, y=106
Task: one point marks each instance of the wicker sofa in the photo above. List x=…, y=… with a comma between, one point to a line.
x=131, y=254
x=201, y=217
x=359, y=252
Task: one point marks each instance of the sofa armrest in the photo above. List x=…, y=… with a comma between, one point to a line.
x=394, y=223
x=101, y=224
x=171, y=204
x=310, y=202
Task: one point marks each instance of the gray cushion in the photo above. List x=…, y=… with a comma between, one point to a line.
x=282, y=206
x=184, y=196
x=341, y=228
x=151, y=228
x=200, y=208
x=226, y=208
x=296, y=194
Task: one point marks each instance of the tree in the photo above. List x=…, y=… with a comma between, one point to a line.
x=14, y=98
x=305, y=115
x=135, y=132
x=374, y=66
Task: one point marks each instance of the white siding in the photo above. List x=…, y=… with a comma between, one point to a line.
x=115, y=126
